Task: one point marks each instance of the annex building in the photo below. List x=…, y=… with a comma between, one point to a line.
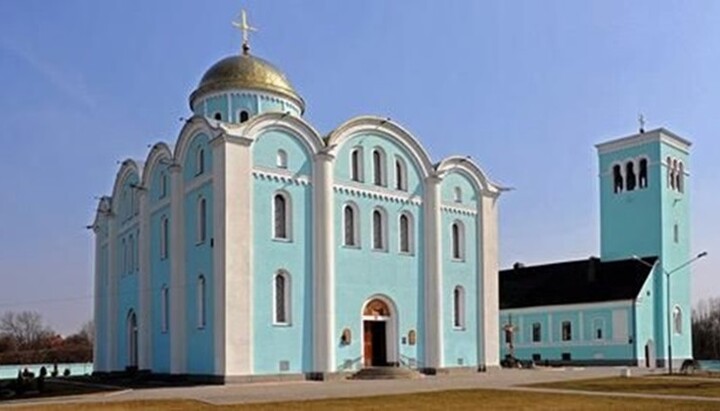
x=632, y=304
x=254, y=245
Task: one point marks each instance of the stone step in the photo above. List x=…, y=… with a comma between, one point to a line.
x=386, y=373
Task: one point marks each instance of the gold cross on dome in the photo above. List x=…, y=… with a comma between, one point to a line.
x=641, y=120
x=245, y=28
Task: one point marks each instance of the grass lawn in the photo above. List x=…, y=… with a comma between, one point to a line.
x=445, y=400
x=646, y=385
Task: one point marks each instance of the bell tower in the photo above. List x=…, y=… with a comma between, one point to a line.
x=644, y=211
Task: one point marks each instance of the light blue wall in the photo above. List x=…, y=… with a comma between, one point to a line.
x=293, y=342
x=583, y=347
x=230, y=103
x=198, y=142
x=645, y=318
x=159, y=268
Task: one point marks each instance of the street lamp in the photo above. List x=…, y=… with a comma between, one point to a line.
x=667, y=298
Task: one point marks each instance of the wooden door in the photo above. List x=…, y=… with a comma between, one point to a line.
x=367, y=343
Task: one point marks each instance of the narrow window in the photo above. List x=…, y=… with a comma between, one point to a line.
x=280, y=213
x=201, y=226
x=598, y=334
x=680, y=183
x=643, y=179
x=217, y=116
x=400, y=175
x=164, y=309
x=163, y=185
x=378, y=177
x=378, y=230
x=124, y=257
x=356, y=165
x=536, y=332
x=677, y=320
x=676, y=233
x=131, y=246
x=566, y=331
x=349, y=226
x=630, y=176
x=405, y=234
x=676, y=173
x=617, y=179
x=598, y=326
x=244, y=116
x=201, y=303
x=459, y=307
x=673, y=166
x=458, y=241
x=164, y=236
x=457, y=195
x=670, y=177
x=282, y=298
x=199, y=161
x=281, y=159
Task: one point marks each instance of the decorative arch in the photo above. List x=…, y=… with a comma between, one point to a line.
x=472, y=171
x=196, y=125
x=127, y=168
x=158, y=153
x=384, y=127
x=290, y=124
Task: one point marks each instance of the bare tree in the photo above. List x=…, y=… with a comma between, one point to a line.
x=88, y=331
x=26, y=328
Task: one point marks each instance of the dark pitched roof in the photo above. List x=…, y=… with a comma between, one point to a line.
x=573, y=282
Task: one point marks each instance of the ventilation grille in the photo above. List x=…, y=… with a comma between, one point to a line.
x=284, y=365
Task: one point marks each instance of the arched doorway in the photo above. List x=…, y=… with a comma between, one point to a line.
x=379, y=319
x=132, y=340
x=650, y=354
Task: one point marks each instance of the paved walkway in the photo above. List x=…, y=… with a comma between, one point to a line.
x=308, y=390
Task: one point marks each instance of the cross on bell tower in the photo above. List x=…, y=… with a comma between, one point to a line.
x=245, y=28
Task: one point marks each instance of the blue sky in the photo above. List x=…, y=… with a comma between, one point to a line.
x=524, y=87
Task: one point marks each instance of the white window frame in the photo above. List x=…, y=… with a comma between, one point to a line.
x=281, y=159
x=410, y=233
x=460, y=256
x=201, y=300
x=458, y=307
x=401, y=174
x=599, y=324
x=201, y=220
x=356, y=164
x=287, y=300
x=383, y=229
x=355, y=226
x=562, y=331
x=287, y=213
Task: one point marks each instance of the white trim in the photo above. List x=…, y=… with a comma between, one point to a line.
x=657, y=135
x=287, y=298
x=281, y=175
x=392, y=339
x=410, y=233
x=357, y=239
x=574, y=343
x=383, y=235
x=381, y=169
x=178, y=340
x=260, y=94
x=287, y=215
x=376, y=192
x=459, y=209
x=154, y=208
x=433, y=309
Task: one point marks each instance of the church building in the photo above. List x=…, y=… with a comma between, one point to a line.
x=631, y=305
x=254, y=245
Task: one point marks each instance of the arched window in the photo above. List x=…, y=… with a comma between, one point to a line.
x=217, y=116
x=199, y=161
x=201, y=223
x=458, y=241
x=643, y=173
x=163, y=185
x=677, y=320
x=673, y=173
x=131, y=247
x=164, y=237
x=670, y=177
x=400, y=175
x=457, y=195
x=281, y=159
x=618, y=182
x=356, y=164
x=566, y=331
x=281, y=217
x=282, y=298
x=201, y=302
x=379, y=227
x=244, y=116
x=164, y=308
x=378, y=167
x=680, y=177
x=459, y=307
x=350, y=226
x=536, y=332
x=132, y=339
x=630, y=178
x=406, y=233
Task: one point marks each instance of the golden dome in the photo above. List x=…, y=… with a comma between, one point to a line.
x=245, y=71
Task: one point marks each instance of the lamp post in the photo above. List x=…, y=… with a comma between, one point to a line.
x=667, y=298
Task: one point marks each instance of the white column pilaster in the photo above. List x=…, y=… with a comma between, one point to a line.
x=233, y=255
x=433, y=310
x=324, y=265
x=112, y=332
x=488, y=311
x=145, y=292
x=178, y=354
